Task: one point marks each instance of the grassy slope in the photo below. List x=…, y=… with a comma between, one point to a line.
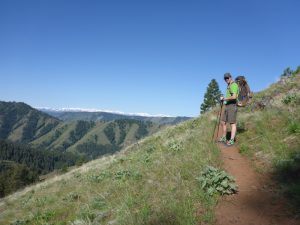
x=67, y=128
x=271, y=135
x=50, y=135
x=17, y=116
x=153, y=182
x=131, y=132
x=44, y=122
x=65, y=135
x=90, y=136
x=17, y=133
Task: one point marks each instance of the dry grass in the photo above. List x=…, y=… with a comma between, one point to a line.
x=150, y=182
x=271, y=135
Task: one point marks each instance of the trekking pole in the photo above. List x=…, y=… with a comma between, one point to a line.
x=218, y=120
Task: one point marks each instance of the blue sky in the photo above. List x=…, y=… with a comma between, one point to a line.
x=153, y=56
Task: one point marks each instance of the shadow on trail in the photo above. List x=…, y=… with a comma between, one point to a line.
x=287, y=174
x=239, y=131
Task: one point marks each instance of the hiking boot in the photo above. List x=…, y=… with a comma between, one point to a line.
x=222, y=139
x=230, y=142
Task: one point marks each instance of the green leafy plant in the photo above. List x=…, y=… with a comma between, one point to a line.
x=291, y=99
x=175, y=146
x=99, y=203
x=125, y=174
x=146, y=158
x=64, y=169
x=294, y=127
x=97, y=178
x=150, y=149
x=241, y=126
x=42, y=217
x=42, y=201
x=214, y=181
x=73, y=196
x=20, y=222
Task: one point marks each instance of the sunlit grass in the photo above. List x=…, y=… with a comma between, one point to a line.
x=152, y=182
x=271, y=136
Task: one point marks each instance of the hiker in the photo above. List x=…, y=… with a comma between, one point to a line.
x=230, y=112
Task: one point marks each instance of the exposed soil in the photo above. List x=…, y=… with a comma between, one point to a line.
x=257, y=201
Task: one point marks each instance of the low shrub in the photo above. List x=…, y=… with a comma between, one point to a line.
x=97, y=178
x=291, y=99
x=294, y=127
x=125, y=174
x=175, y=146
x=213, y=181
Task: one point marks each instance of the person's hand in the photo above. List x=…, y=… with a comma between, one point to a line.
x=222, y=98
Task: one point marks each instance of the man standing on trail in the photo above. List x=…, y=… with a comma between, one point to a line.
x=229, y=115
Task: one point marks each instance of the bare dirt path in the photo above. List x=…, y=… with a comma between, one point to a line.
x=256, y=203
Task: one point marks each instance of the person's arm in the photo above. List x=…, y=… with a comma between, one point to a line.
x=232, y=97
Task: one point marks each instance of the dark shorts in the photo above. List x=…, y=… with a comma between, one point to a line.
x=229, y=115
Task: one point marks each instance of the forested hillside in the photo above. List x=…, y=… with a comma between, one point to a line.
x=21, y=123
x=21, y=164
x=34, y=143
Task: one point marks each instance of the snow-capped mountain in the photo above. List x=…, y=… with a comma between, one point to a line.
x=97, y=111
x=72, y=114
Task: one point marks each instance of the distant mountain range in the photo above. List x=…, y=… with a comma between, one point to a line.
x=88, y=133
x=98, y=110
x=35, y=142
x=73, y=114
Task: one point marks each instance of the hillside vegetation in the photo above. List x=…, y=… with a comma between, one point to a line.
x=152, y=182
x=22, y=164
x=33, y=141
x=23, y=124
x=269, y=132
x=156, y=181
x=93, y=139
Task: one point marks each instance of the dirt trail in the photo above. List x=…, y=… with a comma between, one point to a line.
x=256, y=203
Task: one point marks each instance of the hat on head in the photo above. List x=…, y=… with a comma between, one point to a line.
x=227, y=75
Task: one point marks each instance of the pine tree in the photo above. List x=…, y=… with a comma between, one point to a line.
x=287, y=72
x=297, y=71
x=211, y=97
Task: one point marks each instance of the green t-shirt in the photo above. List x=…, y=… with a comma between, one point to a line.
x=233, y=88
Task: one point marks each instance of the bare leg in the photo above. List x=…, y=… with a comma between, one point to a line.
x=224, y=128
x=233, y=130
